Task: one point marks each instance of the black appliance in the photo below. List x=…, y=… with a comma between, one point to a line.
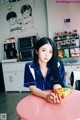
x=26, y=47
x=2, y=87
x=75, y=79
x=10, y=50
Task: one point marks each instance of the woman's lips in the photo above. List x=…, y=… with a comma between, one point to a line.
x=46, y=58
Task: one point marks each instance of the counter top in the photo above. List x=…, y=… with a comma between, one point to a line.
x=17, y=61
x=73, y=63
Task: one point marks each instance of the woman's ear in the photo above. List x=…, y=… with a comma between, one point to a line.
x=36, y=51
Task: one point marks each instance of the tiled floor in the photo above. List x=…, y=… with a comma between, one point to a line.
x=8, y=102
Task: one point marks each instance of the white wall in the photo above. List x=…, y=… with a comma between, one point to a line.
x=39, y=16
x=57, y=12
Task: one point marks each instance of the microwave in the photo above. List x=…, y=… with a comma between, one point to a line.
x=26, y=42
x=26, y=54
x=26, y=47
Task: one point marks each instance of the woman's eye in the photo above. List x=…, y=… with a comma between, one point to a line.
x=43, y=50
x=50, y=51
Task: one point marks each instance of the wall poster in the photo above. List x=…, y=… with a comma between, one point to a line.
x=20, y=24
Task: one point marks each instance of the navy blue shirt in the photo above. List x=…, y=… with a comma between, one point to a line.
x=33, y=76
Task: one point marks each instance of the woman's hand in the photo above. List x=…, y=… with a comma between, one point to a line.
x=53, y=98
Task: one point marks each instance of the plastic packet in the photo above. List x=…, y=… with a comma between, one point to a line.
x=64, y=92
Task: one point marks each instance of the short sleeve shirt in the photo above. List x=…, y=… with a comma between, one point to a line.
x=33, y=76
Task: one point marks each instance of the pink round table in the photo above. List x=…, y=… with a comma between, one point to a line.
x=35, y=108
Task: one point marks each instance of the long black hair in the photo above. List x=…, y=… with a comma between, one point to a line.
x=53, y=62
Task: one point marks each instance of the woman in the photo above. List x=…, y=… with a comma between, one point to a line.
x=46, y=72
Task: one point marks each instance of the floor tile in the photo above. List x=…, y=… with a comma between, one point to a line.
x=8, y=103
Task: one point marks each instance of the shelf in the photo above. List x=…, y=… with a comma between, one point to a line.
x=61, y=39
x=69, y=47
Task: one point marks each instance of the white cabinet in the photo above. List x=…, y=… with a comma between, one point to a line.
x=11, y=82
x=21, y=81
x=69, y=69
x=14, y=76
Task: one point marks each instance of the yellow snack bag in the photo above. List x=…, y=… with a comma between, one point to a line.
x=63, y=92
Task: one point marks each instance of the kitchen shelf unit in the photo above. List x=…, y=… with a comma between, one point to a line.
x=67, y=46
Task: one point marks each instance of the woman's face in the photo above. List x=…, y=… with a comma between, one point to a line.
x=45, y=53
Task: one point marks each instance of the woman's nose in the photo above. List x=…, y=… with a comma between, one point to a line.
x=47, y=53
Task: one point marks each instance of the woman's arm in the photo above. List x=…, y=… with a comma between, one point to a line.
x=56, y=86
x=36, y=91
x=49, y=97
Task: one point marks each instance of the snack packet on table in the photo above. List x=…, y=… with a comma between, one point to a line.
x=64, y=92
